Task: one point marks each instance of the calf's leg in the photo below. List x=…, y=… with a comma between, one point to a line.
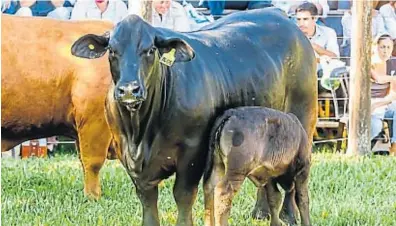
x=224, y=193
x=302, y=197
x=210, y=181
x=274, y=201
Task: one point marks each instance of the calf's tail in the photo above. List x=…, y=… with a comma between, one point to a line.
x=214, y=141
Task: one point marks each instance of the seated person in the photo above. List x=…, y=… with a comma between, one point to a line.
x=170, y=14
x=111, y=10
x=323, y=39
x=388, y=12
x=383, y=89
x=290, y=6
x=378, y=28
x=217, y=7
x=57, y=9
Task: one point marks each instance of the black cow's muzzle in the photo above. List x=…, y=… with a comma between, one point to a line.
x=130, y=95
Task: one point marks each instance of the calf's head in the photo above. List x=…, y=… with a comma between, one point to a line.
x=135, y=48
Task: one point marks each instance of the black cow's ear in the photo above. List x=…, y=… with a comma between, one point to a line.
x=90, y=46
x=184, y=52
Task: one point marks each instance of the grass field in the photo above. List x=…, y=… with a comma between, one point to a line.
x=343, y=191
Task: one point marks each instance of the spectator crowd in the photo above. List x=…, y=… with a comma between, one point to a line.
x=308, y=15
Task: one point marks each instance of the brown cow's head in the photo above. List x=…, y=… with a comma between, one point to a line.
x=135, y=48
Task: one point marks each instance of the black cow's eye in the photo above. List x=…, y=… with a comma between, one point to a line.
x=151, y=51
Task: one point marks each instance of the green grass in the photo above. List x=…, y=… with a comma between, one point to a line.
x=343, y=191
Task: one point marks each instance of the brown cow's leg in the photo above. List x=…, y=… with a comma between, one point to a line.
x=93, y=145
x=149, y=199
x=302, y=197
x=6, y=145
x=224, y=193
x=274, y=201
x=210, y=183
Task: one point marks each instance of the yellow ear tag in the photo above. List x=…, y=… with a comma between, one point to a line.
x=91, y=47
x=168, y=58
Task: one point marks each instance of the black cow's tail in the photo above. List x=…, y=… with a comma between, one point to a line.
x=214, y=141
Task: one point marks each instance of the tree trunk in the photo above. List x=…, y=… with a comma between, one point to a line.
x=360, y=99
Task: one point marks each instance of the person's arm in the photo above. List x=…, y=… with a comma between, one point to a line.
x=57, y=3
x=331, y=49
x=388, y=99
x=389, y=20
x=322, y=51
x=181, y=21
x=122, y=11
x=325, y=7
x=381, y=79
x=379, y=20
x=79, y=10
x=26, y=3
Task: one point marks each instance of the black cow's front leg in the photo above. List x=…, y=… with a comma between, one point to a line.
x=149, y=199
x=185, y=193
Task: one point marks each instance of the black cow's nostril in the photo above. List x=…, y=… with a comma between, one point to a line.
x=121, y=91
x=135, y=90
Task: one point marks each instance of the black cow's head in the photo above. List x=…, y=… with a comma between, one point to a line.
x=134, y=49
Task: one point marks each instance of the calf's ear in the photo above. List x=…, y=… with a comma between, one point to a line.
x=184, y=52
x=91, y=46
x=275, y=121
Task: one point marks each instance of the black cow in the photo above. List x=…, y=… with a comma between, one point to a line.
x=262, y=144
x=160, y=115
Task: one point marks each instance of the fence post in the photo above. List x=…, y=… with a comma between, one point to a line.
x=359, y=104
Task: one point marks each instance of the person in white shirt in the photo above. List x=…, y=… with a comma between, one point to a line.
x=322, y=38
x=112, y=10
x=388, y=12
x=289, y=6
x=171, y=15
x=377, y=28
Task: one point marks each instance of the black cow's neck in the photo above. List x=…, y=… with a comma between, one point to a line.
x=148, y=119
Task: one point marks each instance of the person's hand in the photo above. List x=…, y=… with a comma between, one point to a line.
x=26, y=3
x=58, y=3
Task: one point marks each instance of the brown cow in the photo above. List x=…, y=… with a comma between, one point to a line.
x=46, y=91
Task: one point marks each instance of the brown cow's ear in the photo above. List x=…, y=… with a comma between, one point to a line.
x=184, y=52
x=90, y=46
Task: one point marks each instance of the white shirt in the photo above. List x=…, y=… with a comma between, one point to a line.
x=389, y=15
x=286, y=4
x=175, y=19
x=326, y=38
x=87, y=9
x=378, y=26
